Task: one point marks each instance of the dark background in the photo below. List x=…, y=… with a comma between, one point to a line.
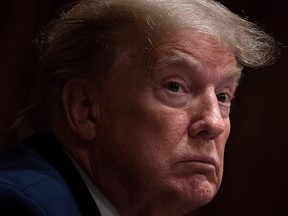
x=256, y=175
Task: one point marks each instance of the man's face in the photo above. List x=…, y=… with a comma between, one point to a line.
x=162, y=133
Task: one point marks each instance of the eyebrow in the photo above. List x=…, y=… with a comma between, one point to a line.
x=178, y=58
x=181, y=58
x=236, y=73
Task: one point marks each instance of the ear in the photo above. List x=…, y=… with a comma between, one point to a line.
x=80, y=109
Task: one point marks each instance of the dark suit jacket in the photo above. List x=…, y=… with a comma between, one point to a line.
x=38, y=178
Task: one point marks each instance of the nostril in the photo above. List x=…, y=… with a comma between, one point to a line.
x=207, y=128
x=207, y=120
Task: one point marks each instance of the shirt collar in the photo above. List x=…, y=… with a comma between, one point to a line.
x=105, y=207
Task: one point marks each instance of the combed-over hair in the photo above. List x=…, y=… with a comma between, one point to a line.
x=90, y=36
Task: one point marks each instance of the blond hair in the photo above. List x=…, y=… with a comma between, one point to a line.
x=88, y=37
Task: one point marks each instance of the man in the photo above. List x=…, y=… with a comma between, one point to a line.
x=131, y=115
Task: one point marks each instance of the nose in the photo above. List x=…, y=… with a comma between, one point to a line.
x=206, y=121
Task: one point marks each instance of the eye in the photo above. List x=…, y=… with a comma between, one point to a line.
x=172, y=86
x=222, y=97
x=173, y=92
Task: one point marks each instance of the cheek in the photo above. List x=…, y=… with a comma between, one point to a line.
x=140, y=142
x=221, y=142
x=153, y=134
x=146, y=134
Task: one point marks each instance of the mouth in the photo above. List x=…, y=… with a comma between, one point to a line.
x=200, y=159
x=198, y=164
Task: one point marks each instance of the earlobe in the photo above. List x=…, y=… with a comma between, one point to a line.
x=78, y=104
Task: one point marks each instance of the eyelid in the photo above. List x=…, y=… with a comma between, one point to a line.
x=226, y=106
x=180, y=82
x=228, y=93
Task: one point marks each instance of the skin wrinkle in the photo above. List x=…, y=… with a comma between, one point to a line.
x=151, y=120
x=178, y=54
x=148, y=150
x=148, y=120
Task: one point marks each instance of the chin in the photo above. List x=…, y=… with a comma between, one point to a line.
x=200, y=193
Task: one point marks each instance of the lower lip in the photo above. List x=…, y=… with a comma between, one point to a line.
x=197, y=166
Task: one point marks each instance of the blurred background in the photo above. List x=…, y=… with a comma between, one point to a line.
x=255, y=179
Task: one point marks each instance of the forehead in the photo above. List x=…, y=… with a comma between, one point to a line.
x=195, y=51
x=193, y=48
x=202, y=56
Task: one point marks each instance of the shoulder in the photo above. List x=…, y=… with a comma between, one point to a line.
x=29, y=182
